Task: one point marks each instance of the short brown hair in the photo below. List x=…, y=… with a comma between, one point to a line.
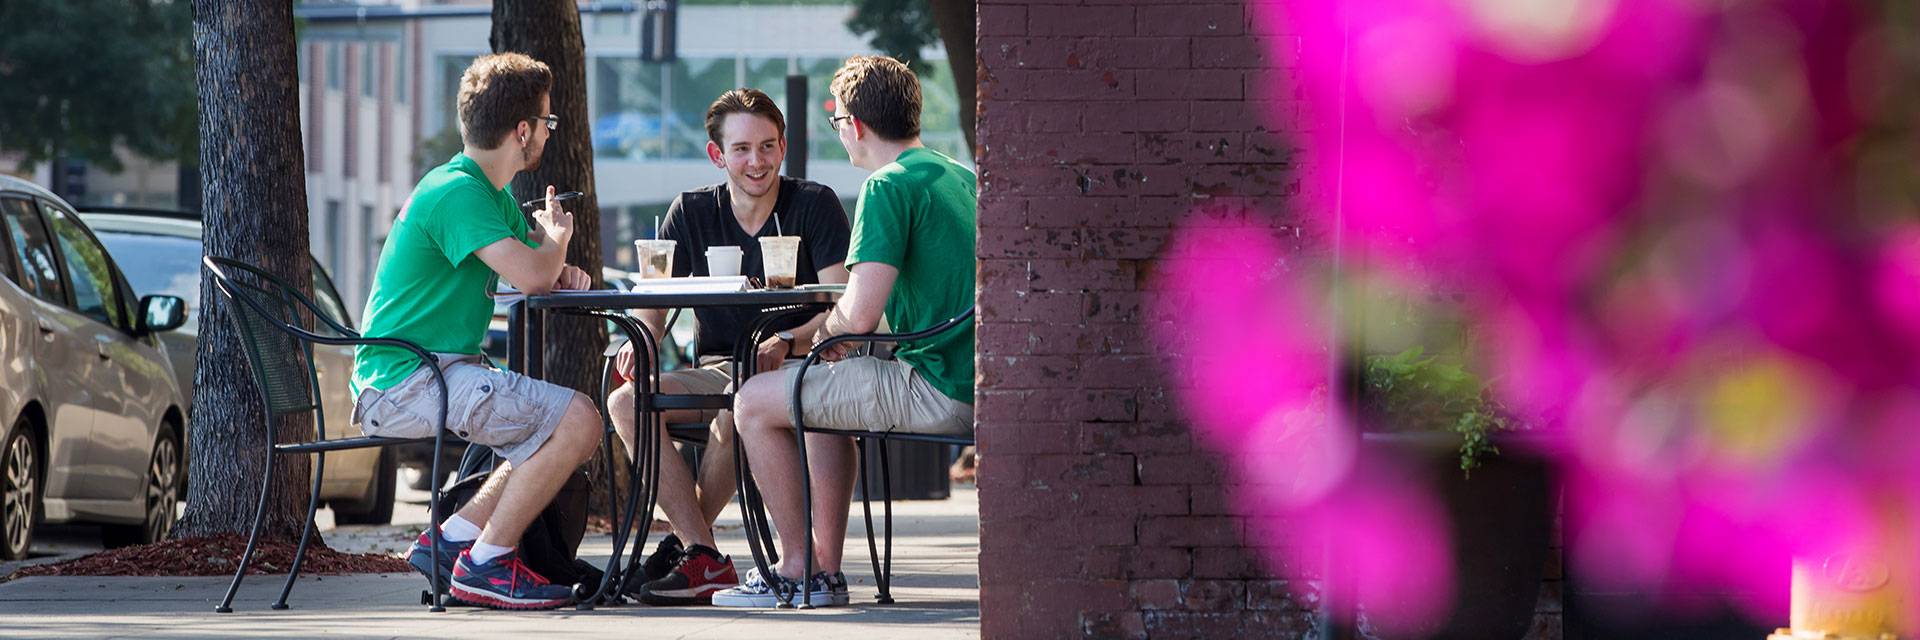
x=497, y=93
x=743, y=100
x=883, y=93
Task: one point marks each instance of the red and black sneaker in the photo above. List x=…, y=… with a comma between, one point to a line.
x=505, y=583
x=701, y=573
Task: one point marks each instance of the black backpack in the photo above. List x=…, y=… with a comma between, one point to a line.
x=552, y=541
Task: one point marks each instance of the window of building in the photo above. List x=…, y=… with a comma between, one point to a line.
x=333, y=65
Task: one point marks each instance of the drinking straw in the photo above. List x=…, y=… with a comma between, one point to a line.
x=656, y=227
x=776, y=224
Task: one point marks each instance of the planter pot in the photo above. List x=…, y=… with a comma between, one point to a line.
x=1500, y=520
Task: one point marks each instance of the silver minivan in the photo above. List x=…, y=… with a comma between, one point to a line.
x=93, y=418
x=161, y=252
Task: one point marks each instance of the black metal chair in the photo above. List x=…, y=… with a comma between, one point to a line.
x=882, y=572
x=279, y=343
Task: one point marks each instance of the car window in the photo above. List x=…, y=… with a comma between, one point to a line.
x=327, y=298
x=94, y=290
x=39, y=271
x=159, y=265
x=7, y=268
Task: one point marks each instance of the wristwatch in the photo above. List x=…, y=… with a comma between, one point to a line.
x=786, y=336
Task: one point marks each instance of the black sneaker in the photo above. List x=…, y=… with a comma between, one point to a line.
x=665, y=557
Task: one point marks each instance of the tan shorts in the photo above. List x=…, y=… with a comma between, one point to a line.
x=871, y=394
x=714, y=376
x=509, y=412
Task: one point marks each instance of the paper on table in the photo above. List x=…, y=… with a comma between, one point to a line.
x=510, y=296
x=701, y=284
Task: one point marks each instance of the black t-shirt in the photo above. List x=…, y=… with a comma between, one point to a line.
x=704, y=218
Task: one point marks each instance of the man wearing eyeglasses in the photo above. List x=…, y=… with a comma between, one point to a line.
x=460, y=233
x=911, y=261
x=747, y=139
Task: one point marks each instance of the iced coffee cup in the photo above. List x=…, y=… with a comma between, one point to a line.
x=780, y=258
x=723, y=261
x=655, y=257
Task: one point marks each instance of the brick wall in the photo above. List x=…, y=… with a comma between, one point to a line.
x=1105, y=123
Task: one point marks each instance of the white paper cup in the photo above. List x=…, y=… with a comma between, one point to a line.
x=779, y=259
x=655, y=258
x=723, y=261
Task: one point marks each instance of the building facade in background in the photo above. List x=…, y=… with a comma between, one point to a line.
x=377, y=87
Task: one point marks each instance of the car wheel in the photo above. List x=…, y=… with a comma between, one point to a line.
x=378, y=508
x=162, y=498
x=19, y=491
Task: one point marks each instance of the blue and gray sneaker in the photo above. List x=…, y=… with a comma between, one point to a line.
x=754, y=591
x=505, y=583
x=421, y=557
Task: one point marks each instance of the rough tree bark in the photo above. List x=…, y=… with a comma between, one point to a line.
x=549, y=31
x=957, y=21
x=254, y=187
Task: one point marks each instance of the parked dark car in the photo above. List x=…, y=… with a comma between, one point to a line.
x=162, y=252
x=94, y=418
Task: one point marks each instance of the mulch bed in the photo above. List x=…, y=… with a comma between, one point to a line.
x=597, y=523
x=215, y=556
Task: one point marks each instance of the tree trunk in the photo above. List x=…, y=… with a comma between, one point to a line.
x=549, y=31
x=957, y=21
x=253, y=180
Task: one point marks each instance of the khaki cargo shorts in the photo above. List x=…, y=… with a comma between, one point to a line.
x=871, y=394
x=509, y=412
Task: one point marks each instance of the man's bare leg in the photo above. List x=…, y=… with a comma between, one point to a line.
x=535, y=482
x=677, y=499
x=717, y=482
x=766, y=429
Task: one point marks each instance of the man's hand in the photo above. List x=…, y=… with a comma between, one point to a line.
x=836, y=352
x=554, y=221
x=572, y=278
x=771, y=353
x=623, y=361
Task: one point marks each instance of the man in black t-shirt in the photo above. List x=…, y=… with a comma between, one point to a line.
x=746, y=134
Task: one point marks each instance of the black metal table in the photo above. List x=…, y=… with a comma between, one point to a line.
x=526, y=340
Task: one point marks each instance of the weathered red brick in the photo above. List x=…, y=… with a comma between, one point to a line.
x=1066, y=85
x=1140, y=116
x=1079, y=470
x=1080, y=21
x=1080, y=275
x=1136, y=563
x=1246, y=52
x=1195, y=531
x=1193, y=20
x=1138, y=438
x=1113, y=625
x=1030, y=242
x=1001, y=19
x=1198, y=468
x=1190, y=148
x=1228, y=562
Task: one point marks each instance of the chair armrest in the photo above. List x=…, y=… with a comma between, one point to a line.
x=813, y=356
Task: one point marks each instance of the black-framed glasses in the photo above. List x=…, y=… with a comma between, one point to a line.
x=836, y=120
x=553, y=121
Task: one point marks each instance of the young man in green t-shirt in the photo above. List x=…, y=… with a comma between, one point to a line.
x=459, y=234
x=911, y=260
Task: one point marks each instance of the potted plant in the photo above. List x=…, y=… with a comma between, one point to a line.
x=1435, y=421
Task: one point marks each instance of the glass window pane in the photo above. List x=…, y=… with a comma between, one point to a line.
x=333, y=65
x=367, y=77
x=94, y=295
x=40, y=271
x=159, y=265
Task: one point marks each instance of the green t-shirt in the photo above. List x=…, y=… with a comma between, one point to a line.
x=918, y=214
x=430, y=289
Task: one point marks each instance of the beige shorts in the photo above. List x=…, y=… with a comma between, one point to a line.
x=714, y=376
x=871, y=394
x=511, y=413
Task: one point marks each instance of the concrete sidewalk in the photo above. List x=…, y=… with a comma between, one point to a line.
x=936, y=585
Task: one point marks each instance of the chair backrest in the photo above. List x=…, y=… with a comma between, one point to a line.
x=266, y=310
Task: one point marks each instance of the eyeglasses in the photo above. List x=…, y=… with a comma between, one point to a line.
x=836, y=120
x=553, y=121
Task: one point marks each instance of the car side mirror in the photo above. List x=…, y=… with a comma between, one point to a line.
x=161, y=313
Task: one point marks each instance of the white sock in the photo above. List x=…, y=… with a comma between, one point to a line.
x=458, y=529
x=483, y=553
